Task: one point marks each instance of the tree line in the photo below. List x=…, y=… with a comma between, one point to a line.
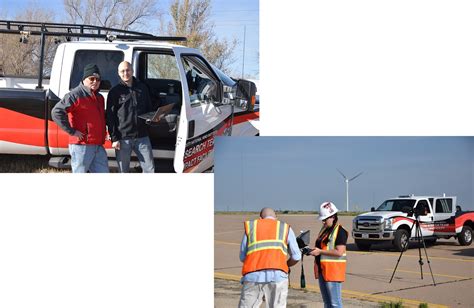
x=189, y=18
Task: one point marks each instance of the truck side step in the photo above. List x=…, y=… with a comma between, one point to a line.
x=64, y=162
x=60, y=162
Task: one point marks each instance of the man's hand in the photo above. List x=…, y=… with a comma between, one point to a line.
x=116, y=145
x=290, y=262
x=78, y=134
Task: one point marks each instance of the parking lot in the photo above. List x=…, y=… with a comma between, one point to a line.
x=369, y=272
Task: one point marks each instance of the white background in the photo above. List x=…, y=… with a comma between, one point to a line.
x=106, y=240
x=327, y=68
x=367, y=67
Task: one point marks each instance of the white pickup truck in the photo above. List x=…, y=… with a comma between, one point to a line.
x=439, y=217
x=206, y=102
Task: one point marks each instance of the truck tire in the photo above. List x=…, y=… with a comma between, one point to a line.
x=401, y=240
x=430, y=242
x=362, y=245
x=465, y=237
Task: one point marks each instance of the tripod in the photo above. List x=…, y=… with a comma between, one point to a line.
x=419, y=236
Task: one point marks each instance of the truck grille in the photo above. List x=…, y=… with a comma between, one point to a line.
x=368, y=224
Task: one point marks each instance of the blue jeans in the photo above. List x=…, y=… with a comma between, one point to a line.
x=331, y=292
x=141, y=147
x=88, y=157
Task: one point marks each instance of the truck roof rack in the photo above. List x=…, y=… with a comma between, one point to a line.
x=75, y=30
x=43, y=29
x=406, y=196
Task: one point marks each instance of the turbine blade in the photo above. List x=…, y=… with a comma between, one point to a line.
x=342, y=174
x=356, y=176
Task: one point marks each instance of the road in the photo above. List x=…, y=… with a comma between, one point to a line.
x=368, y=273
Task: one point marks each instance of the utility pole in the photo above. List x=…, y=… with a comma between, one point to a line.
x=243, y=56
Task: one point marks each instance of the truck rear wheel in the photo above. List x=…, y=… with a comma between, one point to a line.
x=431, y=241
x=362, y=245
x=465, y=237
x=401, y=240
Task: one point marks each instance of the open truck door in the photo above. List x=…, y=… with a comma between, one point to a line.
x=206, y=112
x=425, y=216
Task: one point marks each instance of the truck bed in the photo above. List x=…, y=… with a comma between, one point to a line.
x=19, y=82
x=23, y=125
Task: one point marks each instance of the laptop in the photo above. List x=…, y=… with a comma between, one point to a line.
x=156, y=116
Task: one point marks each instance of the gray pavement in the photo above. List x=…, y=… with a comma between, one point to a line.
x=368, y=272
x=227, y=294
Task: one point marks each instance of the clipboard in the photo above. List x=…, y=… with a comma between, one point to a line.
x=156, y=116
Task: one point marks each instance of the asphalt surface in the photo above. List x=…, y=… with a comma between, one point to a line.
x=227, y=294
x=368, y=273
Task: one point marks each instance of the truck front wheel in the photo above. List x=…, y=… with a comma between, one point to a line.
x=362, y=245
x=401, y=240
x=465, y=237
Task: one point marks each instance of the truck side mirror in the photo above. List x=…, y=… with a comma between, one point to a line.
x=372, y=209
x=245, y=94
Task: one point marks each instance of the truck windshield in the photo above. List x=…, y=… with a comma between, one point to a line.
x=223, y=77
x=396, y=205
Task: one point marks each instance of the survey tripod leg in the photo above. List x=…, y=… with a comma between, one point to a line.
x=419, y=235
x=426, y=254
x=421, y=240
x=401, y=254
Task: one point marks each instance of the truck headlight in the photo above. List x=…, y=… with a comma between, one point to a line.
x=354, y=224
x=388, y=223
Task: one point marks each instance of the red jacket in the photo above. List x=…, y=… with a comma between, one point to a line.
x=82, y=110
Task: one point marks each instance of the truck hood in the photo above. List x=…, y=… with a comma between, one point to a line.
x=384, y=214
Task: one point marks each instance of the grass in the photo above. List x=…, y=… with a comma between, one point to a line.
x=392, y=305
x=400, y=305
x=11, y=163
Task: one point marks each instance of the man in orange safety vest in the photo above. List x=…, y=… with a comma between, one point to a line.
x=267, y=250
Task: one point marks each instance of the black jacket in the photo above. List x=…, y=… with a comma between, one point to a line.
x=124, y=105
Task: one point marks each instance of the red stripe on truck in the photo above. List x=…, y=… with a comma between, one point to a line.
x=22, y=129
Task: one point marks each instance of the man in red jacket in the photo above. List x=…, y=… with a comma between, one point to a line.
x=81, y=114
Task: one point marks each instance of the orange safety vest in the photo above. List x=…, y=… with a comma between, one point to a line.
x=333, y=268
x=267, y=246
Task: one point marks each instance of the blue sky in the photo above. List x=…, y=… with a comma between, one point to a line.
x=300, y=172
x=229, y=19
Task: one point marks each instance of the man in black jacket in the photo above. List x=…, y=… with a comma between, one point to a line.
x=125, y=102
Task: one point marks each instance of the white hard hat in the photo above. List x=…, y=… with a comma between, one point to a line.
x=327, y=209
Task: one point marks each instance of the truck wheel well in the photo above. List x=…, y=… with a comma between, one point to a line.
x=405, y=227
x=469, y=223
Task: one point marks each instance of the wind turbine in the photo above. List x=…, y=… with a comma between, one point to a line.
x=347, y=186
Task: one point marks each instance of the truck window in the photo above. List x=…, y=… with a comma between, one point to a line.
x=444, y=206
x=106, y=60
x=159, y=71
x=162, y=66
x=223, y=77
x=423, y=207
x=397, y=205
x=202, y=83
